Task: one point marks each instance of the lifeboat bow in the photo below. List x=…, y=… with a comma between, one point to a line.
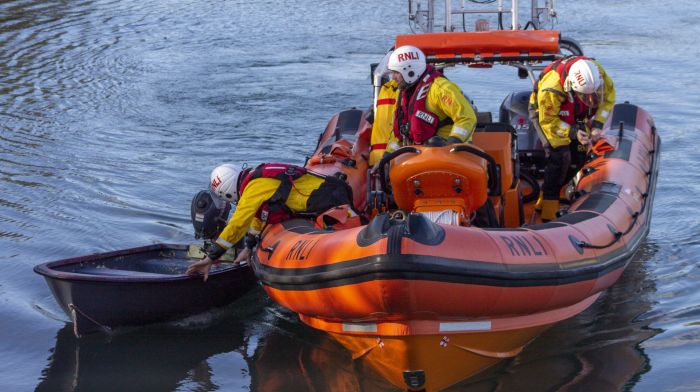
x=428, y=302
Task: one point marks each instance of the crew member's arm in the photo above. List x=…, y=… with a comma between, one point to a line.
x=383, y=125
x=605, y=107
x=549, y=100
x=256, y=193
x=448, y=97
x=393, y=144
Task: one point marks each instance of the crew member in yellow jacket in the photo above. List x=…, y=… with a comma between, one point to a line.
x=383, y=123
x=572, y=101
x=428, y=104
x=269, y=193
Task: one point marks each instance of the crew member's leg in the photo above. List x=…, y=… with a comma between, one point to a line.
x=554, y=175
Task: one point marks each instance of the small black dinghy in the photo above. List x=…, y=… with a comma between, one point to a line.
x=139, y=286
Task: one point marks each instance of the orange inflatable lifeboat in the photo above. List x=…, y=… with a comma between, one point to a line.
x=426, y=294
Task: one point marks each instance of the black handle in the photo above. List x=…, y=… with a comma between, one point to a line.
x=387, y=158
x=494, y=182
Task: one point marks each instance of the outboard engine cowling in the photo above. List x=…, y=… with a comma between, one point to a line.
x=209, y=215
x=514, y=111
x=440, y=179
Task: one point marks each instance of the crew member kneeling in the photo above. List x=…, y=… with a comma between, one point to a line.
x=571, y=101
x=269, y=193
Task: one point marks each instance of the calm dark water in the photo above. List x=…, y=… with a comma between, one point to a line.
x=112, y=114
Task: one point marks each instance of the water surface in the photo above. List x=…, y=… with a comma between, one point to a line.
x=112, y=114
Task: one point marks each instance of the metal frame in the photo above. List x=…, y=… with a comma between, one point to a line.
x=423, y=15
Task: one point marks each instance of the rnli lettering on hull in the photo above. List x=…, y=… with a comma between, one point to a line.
x=520, y=245
x=301, y=250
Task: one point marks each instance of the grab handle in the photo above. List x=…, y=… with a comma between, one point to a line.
x=494, y=182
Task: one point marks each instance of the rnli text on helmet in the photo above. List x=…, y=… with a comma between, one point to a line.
x=215, y=182
x=408, y=56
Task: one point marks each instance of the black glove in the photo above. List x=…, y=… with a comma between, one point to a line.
x=573, y=131
x=215, y=251
x=250, y=241
x=436, y=141
x=454, y=140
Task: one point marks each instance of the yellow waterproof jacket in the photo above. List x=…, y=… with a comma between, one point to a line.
x=257, y=192
x=551, y=96
x=383, y=124
x=446, y=99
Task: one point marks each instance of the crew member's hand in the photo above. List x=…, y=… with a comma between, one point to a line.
x=201, y=267
x=596, y=134
x=582, y=137
x=244, y=255
x=454, y=140
x=375, y=168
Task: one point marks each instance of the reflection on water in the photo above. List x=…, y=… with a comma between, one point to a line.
x=261, y=347
x=294, y=357
x=155, y=359
x=598, y=350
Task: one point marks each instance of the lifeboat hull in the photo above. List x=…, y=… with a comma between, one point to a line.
x=432, y=355
x=434, y=362
x=427, y=304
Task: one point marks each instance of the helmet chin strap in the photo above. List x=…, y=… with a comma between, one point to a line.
x=245, y=169
x=568, y=86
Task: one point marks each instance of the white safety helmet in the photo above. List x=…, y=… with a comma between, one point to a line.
x=224, y=182
x=409, y=61
x=583, y=77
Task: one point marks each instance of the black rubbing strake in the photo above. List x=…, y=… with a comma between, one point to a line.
x=598, y=202
x=348, y=123
x=622, y=151
x=625, y=113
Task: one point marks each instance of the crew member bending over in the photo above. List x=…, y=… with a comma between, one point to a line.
x=571, y=101
x=269, y=193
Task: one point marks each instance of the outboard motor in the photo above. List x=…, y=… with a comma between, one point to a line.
x=514, y=111
x=209, y=214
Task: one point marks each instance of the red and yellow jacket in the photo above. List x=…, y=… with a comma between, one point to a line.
x=446, y=100
x=383, y=121
x=257, y=192
x=555, y=106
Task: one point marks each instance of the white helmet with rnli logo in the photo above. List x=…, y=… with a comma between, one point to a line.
x=224, y=182
x=583, y=77
x=409, y=61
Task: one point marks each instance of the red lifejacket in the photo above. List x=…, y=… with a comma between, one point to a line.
x=274, y=210
x=411, y=118
x=571, y=110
